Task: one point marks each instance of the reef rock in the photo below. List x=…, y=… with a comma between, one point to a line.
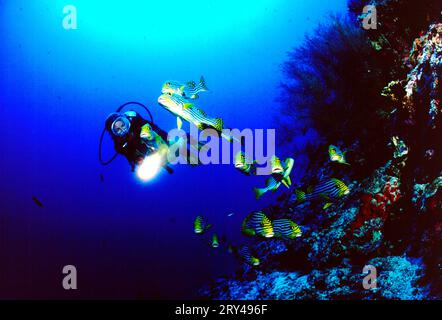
x=398, y=278
x=392, y=219
x=422, y=88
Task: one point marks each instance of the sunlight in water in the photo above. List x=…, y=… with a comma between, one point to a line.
x=168, y=22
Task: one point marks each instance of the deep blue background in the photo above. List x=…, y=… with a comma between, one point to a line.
x=129, y=239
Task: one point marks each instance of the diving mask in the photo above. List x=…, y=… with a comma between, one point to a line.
x=120, y=127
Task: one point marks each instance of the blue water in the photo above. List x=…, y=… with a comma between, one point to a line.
x=128, y=239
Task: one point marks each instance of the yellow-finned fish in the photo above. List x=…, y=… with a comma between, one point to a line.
x=273, y=183
x=188, y=90
x=147, y=132
x=243, y=163
x=247, y=256
x=215, y=241
x=181, y=108
x=288, y=167
x=329, y=190
x=336, y=155
x=276, y=165
x=286, y=229
x=257, y=223
x=179, y=123
x=200, y=225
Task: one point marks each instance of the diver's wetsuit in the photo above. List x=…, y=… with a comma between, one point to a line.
x=141, y=140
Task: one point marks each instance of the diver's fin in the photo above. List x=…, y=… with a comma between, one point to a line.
x=202, y=84
x=194, y=96
x=187, y=105
x=327, y=205
x=179, y=123
x=182, y=88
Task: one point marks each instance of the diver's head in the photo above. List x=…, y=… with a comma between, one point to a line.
x=118, y=124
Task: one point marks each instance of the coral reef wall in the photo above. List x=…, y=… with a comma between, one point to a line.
x=392, y=218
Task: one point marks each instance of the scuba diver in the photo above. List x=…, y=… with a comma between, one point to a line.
x=134, y=137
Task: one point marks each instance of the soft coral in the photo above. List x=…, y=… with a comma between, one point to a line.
x=377, y=205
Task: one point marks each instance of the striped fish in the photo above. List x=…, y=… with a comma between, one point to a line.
x=336, y=155
x=246, y=255
x=276, y=165
x=330, y=190
x=215, y=241
x=146, y=132
x=273, y=183
x=188, y=90
x=257, y=223
x=286, y=229
x=288, y=167
x=243, y=164
x=180, y=107
x=200, y=225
